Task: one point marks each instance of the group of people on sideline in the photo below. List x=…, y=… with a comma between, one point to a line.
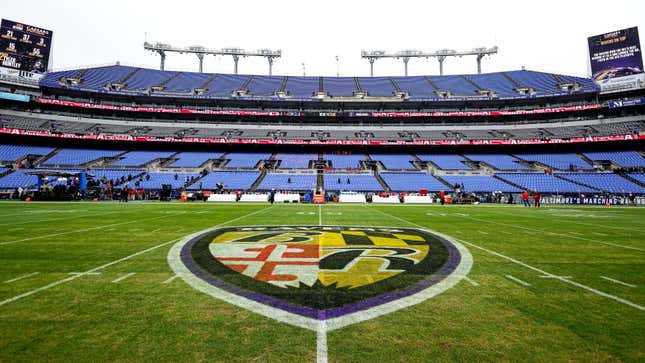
x=527, y=202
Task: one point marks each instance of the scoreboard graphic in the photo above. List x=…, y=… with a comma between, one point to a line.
x=616, y=54
x=24, y=47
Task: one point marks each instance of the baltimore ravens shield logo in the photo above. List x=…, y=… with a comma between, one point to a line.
x=307, y=274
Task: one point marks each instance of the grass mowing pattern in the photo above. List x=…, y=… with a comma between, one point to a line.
x=141, y=318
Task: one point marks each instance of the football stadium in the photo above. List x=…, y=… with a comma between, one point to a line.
x=185, y=211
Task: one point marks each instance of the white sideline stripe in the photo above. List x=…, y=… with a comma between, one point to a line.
x=557, y=234
x=21, y=277
x=472, y=282
x=617, y=281
x=171, y=279
x=83, y=273
x=85, y=229
x=56, y=283
x=540, y=271
x=123, y=277
x=521, y=282
x=321, y=343
x=58, y=219
x=319, y=215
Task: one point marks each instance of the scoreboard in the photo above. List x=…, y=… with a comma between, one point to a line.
x=24, y=47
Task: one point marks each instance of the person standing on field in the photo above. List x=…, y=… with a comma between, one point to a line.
x=525, y=199
x=536, y=199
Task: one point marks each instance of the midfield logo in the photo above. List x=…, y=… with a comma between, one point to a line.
x=305, y=275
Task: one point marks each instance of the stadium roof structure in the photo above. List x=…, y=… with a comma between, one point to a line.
x=133, y=81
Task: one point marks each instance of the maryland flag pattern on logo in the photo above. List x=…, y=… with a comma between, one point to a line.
x=343, y=258
x=319, y=271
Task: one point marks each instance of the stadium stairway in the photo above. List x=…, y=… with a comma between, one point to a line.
x=129, y=75
x=158, y=163
x=418, y=163
x=320, y=182
x=507, y=76
x=41, y=159
x=509, y=182
x=576, y=182
x=4, y=172
x=103, y=162
x=245, y=86
x=164, y=83
x=396, y=85
x=431, y=83
x=258, y=181
x=382, y=182
x=633, y=180
x=194, y=182
x=535, y=165
x=477, y=87
x=443, y=181
x=591, y=162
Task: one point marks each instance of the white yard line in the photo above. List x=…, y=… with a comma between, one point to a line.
x=321, y=343
x=538, y=270
x=472, y=282
x=521, y=282
x=171, y=279
x=617, y=281
x=482, y=232
x=86, y=229
x=568, y=220
x=557, y=234
x=555, y=277
x=117, y=280
x=91, y=271
x=319, y=214
x=57, y=219
x=21, y=277
x=83, y=273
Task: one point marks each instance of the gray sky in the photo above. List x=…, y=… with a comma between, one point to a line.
x=542, y=35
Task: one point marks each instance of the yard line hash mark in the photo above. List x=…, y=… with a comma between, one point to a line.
x=617, y=281
x=117, y=280
x=521, y=282
x=21, y=277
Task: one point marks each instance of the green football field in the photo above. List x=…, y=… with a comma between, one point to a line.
x=92, y=282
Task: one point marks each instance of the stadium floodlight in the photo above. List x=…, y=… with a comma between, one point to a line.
x=200, y=52
x=441, y=55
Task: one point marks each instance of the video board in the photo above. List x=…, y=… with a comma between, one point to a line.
x=616, y=54
x=24, y=47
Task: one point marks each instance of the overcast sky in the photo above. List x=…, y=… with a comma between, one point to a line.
x=545, y=35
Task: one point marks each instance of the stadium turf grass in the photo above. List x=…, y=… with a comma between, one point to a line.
x=141, y=318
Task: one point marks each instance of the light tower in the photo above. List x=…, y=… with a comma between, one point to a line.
x=441, y=56
x=236, y=53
